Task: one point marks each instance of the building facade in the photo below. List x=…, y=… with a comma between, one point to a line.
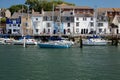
x=65, y=20
x=13, y=25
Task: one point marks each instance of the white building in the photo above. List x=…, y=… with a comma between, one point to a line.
x=84, y=24
x=67, y=22
x=102, y=25
x=37, y=23
x=48, y=23
x=116, y=22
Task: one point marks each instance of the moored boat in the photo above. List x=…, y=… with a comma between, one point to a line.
x=27, y=42
x=95, y=41
x=54, y=44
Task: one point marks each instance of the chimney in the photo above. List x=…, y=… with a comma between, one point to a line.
x=33, y=11
x=42, y=11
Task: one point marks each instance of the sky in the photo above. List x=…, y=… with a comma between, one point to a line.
x=90, y=3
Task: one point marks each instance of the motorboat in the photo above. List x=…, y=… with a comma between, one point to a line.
x=2, y=41
x=27, y=42
x=95, y=41
x=6, y=40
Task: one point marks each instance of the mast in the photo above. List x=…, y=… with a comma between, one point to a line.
x=95, y=20
x=60, y=27
x=0, y=17
x=53, y=17
x=59, y=20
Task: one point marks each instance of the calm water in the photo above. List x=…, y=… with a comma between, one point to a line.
x=33, y=63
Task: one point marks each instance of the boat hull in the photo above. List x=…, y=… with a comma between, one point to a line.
x=27, y=42
x=94, y=42
x=44, y=45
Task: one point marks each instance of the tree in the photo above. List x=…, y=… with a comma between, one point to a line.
x=3, y=20
x=38, y=5
x=16, y=8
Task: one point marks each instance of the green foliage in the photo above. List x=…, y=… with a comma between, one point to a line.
x=37, y=5
x=16, y=8
x=3, y=20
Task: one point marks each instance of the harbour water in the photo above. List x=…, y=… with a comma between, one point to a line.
x=34, y=63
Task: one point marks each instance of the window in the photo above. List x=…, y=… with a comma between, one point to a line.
x=81, y=31
x=77, y=23
x=77, y=19
x=68, y=18
x=68, y=24
x=100, y=30
x=9, y=31
x=18, y=25
x=91, y=19
x=91, y=24
x=14, y=24
x=26, y=24
x=100, y=24
x=48, y=18
x=77, y=30
x=48, y=24
x=26, y=18
x=36, y=19
x=14, y=30
x=10, y=25
x=37, y=30
x=48, y=30
x=14, y=21
x=84, y=18
x=68, y=30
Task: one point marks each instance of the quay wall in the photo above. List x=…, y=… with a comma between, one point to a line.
x=70, y=36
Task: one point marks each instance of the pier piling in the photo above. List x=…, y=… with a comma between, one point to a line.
x=115, y=40
x=81, y=44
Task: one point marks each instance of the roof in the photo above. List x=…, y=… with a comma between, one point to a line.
x=73, y=7
x=108, y=9
x=17, y=14
x=105, y=9
x=117, y=9
x=83, y=15
x=36, y=14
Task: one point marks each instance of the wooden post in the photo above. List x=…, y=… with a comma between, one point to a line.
x=116, y=41
x=112, y=42
x=24, y=45
x=81, y=44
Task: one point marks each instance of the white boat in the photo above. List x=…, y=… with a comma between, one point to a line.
x=2, y=42
x=27, y=42
x=6, y=40
x=95, y=41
